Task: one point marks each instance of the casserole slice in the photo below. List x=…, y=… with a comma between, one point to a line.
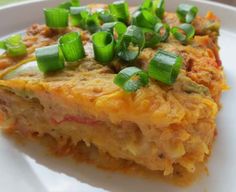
x=159, y=127
x=155, y=127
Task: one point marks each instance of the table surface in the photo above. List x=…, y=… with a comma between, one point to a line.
x=230, y=2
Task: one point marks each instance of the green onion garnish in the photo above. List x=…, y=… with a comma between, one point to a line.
x=151, y=37
x=68, y=4
x=14, y=46
x=131, y=79
x=144, y=19
x=65, y=5
x=131, y=43
x=75, y=3
x=146, y=4
x=72, y=46
x=3, y=45
x=116, y=28
x=49, y=58
x=105, y=16
x=186, y=13
x=163, y=30
x=92, y=23
x=120, y=10
x=165, y=67
x=79, y=16
x=183, y=33
x=160, y=8
x=103, y=46
x=56, y=17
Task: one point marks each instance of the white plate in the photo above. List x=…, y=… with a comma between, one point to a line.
x=29, y=170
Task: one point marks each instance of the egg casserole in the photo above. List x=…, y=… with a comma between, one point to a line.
x=159, y=126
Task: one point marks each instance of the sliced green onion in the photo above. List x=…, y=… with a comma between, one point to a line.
x=163, y=30
x=15, y=46
x=160, y=8
x=186, y=13
x=132, y=42
x=75, y=3
x=151, y=37
x=3, y=45
x=144, y=19
x=79, y=16
x=49, y=58
x=56, y=17
x=93, y=23
x=146, y=4
x=120, y=10
x=105, y=16
x=131, y=79
x=118, y=28
x=103, y=46
x=183, y=33
x=165, y=67
x=65, y=5
x=72, y=46
x=68, y=4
